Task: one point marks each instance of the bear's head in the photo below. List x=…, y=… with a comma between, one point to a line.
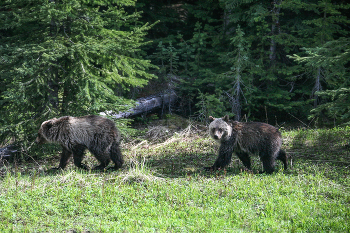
x=44, y=131
x=219, y=129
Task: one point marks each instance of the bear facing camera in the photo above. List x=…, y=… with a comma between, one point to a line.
x=244, y=138
x=76, y=134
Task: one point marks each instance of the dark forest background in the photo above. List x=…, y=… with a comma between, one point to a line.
x=275, y=61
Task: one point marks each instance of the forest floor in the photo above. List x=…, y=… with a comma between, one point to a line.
x=163, y=188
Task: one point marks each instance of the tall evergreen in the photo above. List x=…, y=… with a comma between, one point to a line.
x=239, y=81
x=323, y=25
x=275, y=30
x=325, y=56
x=263, y=24
x=187, y=43
x=286, y=41
x=66, y=57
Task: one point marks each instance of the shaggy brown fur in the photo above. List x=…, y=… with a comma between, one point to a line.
x=75, y=134
x=244, y=139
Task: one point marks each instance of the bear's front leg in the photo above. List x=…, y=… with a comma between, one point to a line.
x=224, y=158
x=66, y=154
x=78, y=155
x=116, y=155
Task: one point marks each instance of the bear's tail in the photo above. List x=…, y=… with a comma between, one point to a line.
x=283, y=157
x=116, y=155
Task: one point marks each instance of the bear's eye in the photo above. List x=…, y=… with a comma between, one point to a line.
x=220, y=130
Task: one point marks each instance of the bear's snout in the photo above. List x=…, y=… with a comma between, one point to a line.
x=40, y=140
x=218, y=135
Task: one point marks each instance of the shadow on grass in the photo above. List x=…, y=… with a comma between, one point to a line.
x=185, y=157
x=47, y=166
x=182, y=158
x=193, y=165
x=321, y=146
x=188, y=158
x=321, y=151
x=309, y=151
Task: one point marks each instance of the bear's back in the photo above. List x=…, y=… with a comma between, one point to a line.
x=91, y=121
x=255, y=133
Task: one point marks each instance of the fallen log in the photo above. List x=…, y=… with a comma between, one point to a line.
x=145, y=105
x=6, y=152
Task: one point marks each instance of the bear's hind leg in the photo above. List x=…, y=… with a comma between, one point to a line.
x=99, y=152
x=103, y=164
x=116, y=155
x=268, y=162
x=78, y=155
x=283, y=157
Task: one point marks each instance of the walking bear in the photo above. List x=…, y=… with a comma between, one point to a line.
x=244, y=139
x=75, y=134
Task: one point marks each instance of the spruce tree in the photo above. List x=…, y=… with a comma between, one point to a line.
x=327, y=56
x=66, y=57
x=263, y=24
x=333, y=57
x=324, y=26
x=237, y=78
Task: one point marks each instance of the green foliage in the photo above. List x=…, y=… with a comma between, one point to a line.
x=331, y=58
x=337, y=107
x=209, y=105
x=66, y=58
x=325, y=33
x=166, y=57
x=273, y=78
x=238, y=80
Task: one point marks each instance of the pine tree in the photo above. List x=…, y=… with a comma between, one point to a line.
x=276, y=30
x=66, y=57
x=188, y=32
x=324, y=26
x=327, y=56
x=238, y=59
x=262, y=23
x=334, y=57
x=280, y=86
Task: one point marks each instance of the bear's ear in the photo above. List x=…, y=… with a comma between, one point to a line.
x=211, y=118
x=226, y=118
x=47, y=125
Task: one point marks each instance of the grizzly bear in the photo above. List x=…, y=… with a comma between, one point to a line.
x=244, y=139
x=75, y=134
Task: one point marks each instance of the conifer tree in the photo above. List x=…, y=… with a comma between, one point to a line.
x=66, y=57
x=262, y=23
x=323, y=27
x=238, y=59
x=327, y=56
x=333, y=57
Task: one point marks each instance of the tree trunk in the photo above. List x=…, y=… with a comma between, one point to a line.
x=317, y=87
x=275, y=26
x=146, y=104
x=237, y=99
x=53, y=88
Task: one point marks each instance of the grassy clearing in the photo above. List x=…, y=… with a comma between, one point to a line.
x=162, y=188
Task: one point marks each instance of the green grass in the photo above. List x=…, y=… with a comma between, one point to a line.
x=162, y=188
